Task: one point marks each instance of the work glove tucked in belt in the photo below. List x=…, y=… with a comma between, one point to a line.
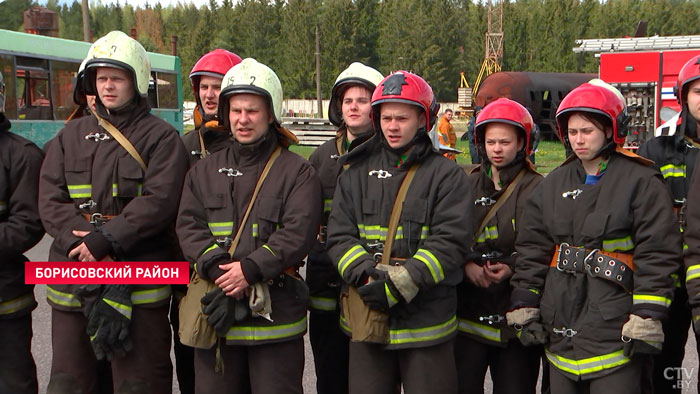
x=223, y=311
x=642, y=336
x=390, y=285
x=108, y=323
x=530, y=331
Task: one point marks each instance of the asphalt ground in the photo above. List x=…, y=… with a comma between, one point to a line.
x=41, y=345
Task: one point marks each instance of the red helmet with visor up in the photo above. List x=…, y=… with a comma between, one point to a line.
x=507, y=111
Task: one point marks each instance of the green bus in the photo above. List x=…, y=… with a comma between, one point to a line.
x=40, y=73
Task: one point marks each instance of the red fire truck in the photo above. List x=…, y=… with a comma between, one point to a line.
x=645, y=70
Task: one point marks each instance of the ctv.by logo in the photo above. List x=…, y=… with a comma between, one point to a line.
x=680, y=375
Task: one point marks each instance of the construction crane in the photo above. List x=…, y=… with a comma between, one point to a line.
x=493, y=57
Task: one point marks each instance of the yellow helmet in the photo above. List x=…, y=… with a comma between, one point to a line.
x=118, y=50
x=356, y=74
x=250, y=76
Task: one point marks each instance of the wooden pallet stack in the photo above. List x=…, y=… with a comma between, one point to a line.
x=310, y=131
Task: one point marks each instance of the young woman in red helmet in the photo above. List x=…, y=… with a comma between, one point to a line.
x=503, y=138
x=592, y=275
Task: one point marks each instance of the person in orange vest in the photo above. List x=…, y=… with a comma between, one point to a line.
x=446, y=133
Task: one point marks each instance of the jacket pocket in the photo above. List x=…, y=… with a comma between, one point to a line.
x=594, y=225
x=78, y=177
x=414, y=215
x=129, y=179
x=269, y=211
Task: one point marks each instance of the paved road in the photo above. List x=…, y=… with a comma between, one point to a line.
x=41, y=345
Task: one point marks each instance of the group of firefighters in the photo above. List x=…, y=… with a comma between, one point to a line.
x=420, y=275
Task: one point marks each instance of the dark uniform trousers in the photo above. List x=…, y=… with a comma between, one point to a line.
x=184, y=355
x=17, y=368
x=272, y=368
x=626, y=380
x=146, y=369
x=514, y=369
x=427, y=370
x=675, y=336
x=330, y=347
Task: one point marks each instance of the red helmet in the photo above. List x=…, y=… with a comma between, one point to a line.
x=508, y=111
x=408, y=88
x=690, y=72
x=215, y=64
x=594, y=98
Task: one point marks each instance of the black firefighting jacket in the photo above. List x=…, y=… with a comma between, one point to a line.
x=20, y=226
x=435, y=220
x=88, y=172
x=481, y=311
x=278, y=234
x=214, y=140
x=627, y=211
x=321, y=274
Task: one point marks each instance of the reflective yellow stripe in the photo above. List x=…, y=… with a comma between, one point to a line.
x=256, y=333
x=17, y=304
x=414, y=335
x=327, y=204
x=209, y=249
x=673, y=171
x=115, y=189
x=432, y=263
x=480, y=330
x=379, y=233
x=390, y=297
x=650, y=299
x=255, y=229
x=269, y=249
x=344, y=325
x=676, y=280
x=150, y=296
x=624, y=244
x=588, y=365
x=349, y=257
x=220, y=228
x=488, y=233
x=692, y=272
x=512, y=221
x=61, y=298
x=323, y=303
x=80, y=191
x=121, y=308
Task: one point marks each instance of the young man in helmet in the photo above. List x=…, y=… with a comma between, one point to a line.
x=446, y=133
x=689, y=96
x=20, y=229
x=417, y=291
x=504, y=140
x=208, y=135
x=592, y=275
x=99, y=203
x=349, y=109
x=261, y=349
x=675, y=152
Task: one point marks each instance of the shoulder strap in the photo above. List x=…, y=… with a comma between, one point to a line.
x=123, y=141
x=499, y=203
x=265, y=171
x=396, y=213
x=202, y=148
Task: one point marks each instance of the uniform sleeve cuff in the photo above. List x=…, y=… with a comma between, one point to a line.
x=98, y=245
x=251, y=271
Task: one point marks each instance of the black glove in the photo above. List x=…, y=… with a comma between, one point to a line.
x=223, y=311
x=635, y=347
x=532, y=334
x=108, y=323
x=380, y=293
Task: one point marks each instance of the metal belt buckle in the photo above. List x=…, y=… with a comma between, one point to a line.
x=377, y=246
x=491, y=319
x=559, y=259
x=323, y=234
x=97, y=219
x=225, y=242
x=565, y=332
x=590, y=259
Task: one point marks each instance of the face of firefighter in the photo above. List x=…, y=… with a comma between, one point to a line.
x=356, y=108
x=114, y=86
x=249, y=116
x=694, y=100
x=586, y=138
x=209, y=89
x=399, y=123
x=502, y=143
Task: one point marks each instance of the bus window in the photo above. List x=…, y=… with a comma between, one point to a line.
x=34, y=98
x=152, y=94
x=7, y=69
x=167, y=90
x=63, y=75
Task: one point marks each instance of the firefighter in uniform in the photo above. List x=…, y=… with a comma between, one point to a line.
x=689, y=96
x=260, y=350
x=592, y=275
x=503, y=137
x=418, y=291
x=208, y=135
x=99, y=204
x=675, y=152
x=349, y=109
x=20, y=229
x=206, y=138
